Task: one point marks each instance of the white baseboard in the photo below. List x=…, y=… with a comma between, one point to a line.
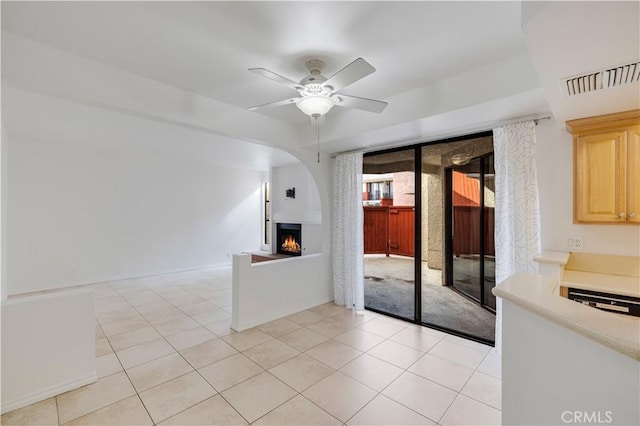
x=43, y=394
x=82, y=283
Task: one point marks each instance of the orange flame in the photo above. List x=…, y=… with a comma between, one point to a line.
x=290, y=244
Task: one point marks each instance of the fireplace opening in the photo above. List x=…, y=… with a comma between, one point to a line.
x=289, y=238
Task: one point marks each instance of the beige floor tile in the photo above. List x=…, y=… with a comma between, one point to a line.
x=247, y=339
x=257, y=396
x=156, y=307
x=220, y=328
x=271, y=353
x=164, y=316
x=442, y=371
x=468, y=343
x=87, y=399
x=298, y=411
x=328, y=309
x=463, y=355
x=279, y=327
x=145, y=299
x=305, y=318
x=43, y=413
x=230, y=371
x=189, y=338
x=174, y=396
x=167, y=328
x=351, y=317
x=491, y=365
x=416, y=339
x=187, y=300
x=386, y=412
x=360, y=339
x=466, y=411
x=134, y=337
x=421, y=395
x=330, y=327
x=430, y=331
x=144, y=352
x=484, y=388
x=301, y=371
x=371, y=371
x=209, y=317
x=107, y=365
x=121, y=311
x=381, y=327
x=117, y=327
x=208, y=353
x=340, y=395
x=396, y=353
x=333, y=353
x=158, y=371
x=303, y=339
x=103, y=347
x=213, y=411
x=126, y=412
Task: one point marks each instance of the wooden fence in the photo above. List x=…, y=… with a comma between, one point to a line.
x=389, y=230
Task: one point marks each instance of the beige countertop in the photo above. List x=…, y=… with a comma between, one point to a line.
x=536, y=294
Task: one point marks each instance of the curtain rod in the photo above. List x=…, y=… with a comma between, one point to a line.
x=498, y=124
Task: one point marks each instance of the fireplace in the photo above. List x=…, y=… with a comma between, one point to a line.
x=289, y=238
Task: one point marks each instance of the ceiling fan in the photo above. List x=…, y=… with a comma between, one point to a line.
x=318, y=94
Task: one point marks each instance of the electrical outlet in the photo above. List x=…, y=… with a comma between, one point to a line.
x=575, y=243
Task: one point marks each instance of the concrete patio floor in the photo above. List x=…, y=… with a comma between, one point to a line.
x=389, y=287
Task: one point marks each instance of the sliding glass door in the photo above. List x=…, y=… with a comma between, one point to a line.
x=428, y=235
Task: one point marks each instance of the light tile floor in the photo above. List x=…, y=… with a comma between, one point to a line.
x=165, y=354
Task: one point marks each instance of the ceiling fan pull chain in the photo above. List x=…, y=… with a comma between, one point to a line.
x=316, y=116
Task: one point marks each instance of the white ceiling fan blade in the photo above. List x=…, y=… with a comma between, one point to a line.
x=274, y=104
x=350, y=74
x=361, y=103
x=276, y=77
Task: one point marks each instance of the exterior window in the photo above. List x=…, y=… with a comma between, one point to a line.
x=377, y=188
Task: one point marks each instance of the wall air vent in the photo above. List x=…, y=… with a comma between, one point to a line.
x=604, y=79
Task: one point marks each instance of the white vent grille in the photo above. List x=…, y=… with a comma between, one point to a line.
x=611, y=77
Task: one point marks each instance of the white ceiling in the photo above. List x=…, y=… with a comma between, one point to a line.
x=445, y=68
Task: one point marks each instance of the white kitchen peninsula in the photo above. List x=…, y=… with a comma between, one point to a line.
x=563, y=362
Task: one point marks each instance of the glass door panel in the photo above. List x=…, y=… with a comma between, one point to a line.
x=454, y=241
x=466, y=232
x=389, y=232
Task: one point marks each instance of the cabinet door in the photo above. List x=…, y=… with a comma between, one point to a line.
x=600, y=177
x=633, y=174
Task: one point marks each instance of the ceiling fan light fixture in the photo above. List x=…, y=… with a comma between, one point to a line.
x=315, y=104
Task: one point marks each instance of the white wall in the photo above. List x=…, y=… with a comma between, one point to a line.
x=304, y=209
x=554, y=161
x=48, y=346
x=4, y=144
x=81, y=212
x=267, y=291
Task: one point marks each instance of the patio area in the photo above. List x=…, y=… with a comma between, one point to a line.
x=389, y=287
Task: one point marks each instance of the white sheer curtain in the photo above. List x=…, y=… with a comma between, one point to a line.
x=517, y=212
x=347, y=232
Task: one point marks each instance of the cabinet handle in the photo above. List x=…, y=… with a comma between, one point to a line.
x=621, y=215
x=632, y=214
